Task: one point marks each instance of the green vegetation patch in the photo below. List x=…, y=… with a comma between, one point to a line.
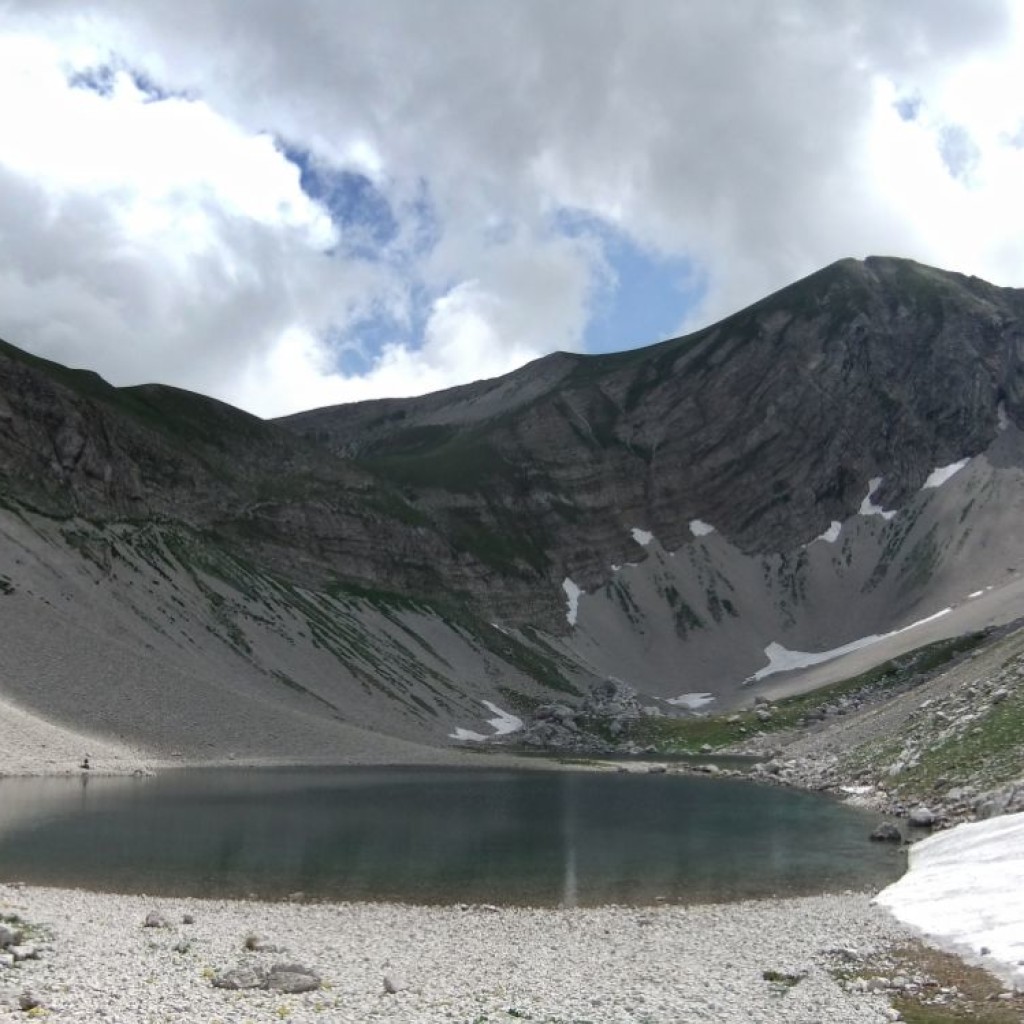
x=462, y=461
x=526, y=703
x=505, y=549
x=988, y=748
x=687, y=735
x=951, y=990
x=30, y=932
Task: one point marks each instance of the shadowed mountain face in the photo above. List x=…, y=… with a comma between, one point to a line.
x=651, y=515
x=768, y=425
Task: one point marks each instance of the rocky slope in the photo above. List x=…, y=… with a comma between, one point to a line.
x=945, y=744
x=769, y=425
x=834, y=463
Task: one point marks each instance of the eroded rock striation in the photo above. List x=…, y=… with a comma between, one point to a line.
x=828, y=466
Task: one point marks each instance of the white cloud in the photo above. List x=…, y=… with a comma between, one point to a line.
x=171, y=240
x=151, y=240
x=529, y=300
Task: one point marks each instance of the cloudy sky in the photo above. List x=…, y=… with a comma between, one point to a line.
x=288, y=205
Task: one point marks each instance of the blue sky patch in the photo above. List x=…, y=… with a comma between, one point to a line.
x=357, y=348
x=648, y=298
x=959, y=152
x=358, y=208
x=102, y=80
x=99, y=80
x=908, y=107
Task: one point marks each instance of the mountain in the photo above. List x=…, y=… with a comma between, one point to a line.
x=834, y=463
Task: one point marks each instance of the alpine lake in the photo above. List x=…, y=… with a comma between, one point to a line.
x=437, y=835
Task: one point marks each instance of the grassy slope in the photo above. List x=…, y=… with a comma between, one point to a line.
x=672, y=735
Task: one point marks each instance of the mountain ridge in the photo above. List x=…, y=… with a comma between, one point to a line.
x=661, y=515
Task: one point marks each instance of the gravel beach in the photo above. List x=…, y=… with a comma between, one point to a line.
x=99, y=962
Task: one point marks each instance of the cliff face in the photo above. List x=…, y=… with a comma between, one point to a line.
x=555, y=525
x=768, y=425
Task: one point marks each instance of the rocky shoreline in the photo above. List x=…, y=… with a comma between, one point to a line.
x=897, y=748
x=76, y=956
x=131, y=959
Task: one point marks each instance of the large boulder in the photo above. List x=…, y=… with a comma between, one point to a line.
x=394, y=982
x=612, y=699
x=292, y=979
x=240, y=978
x=887, y=833
x=554, y=712
x=922, y=817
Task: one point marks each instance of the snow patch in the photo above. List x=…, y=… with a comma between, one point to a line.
x=467, y=736
x=965, y=887
x=692, y=701
x=642, y=537
x=974, y=593
x=503, y=723
x=572, y=593
x=1004, y=420
x=699, y=528
x=831, y=535
x=868, y=507
x=782, y=660
x=938, y=477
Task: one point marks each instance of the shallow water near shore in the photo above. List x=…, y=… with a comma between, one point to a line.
x=429, y=835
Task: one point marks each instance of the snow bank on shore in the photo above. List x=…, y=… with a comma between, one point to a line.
x=965, y=888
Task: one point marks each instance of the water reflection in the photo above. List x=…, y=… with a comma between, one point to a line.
x=28, y=802
x=434, y=835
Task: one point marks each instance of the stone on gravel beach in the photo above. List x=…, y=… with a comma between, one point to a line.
x=292, y=978
x=394, y=983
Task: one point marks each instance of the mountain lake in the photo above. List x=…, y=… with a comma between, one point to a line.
x=436, y=835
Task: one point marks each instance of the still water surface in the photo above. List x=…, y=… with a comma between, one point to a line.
x=436, y=835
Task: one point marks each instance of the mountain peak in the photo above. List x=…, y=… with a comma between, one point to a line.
x=810, y=471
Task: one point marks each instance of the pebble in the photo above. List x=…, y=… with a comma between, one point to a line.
x=394, y=983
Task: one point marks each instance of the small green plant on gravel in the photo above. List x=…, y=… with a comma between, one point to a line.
x=781, y=980
x=978, y=992
x=989, y=750
x=31, y=932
